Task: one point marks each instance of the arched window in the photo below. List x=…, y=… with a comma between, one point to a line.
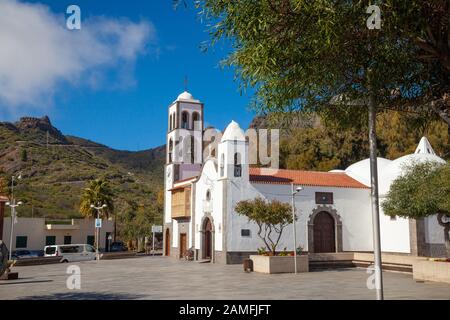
x=170, y=150
x=196, y=125
x=173, y=121
x=237, y=165
x=170, y=123
x=208, y=195
x=185, y=120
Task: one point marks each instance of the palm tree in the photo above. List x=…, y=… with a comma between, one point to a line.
x=97, y=193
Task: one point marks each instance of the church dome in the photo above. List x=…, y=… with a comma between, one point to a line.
x=360, y=170
x=389, y=170
x=186, y=96
x=233, y=132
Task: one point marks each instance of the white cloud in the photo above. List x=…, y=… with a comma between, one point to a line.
x=39, y=55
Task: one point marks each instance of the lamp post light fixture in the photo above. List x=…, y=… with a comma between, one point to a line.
x=97, y=229
x=294, y=192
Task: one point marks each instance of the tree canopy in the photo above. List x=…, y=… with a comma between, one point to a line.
x=324, y=145
x=98, y=193
x=302, y=54
x=422, y=191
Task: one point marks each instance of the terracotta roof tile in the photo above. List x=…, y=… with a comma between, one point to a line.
x=305, y=178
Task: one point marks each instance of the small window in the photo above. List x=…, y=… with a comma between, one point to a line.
x=67, y=239
x=50, y=250
x=208, y=195
x=185, y=120
x=237, y=165
x=72, y=249
x=50, y=240
x=393, y=218
x=90, y=248
x=196, y=125
x=245, y=233
x=21, y=241
x=324, y=198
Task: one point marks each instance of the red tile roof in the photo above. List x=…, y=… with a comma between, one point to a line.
x=305, y=178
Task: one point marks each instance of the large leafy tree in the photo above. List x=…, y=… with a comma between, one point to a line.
x=324, y=145
x=320, y=55
x=301, y=54
x=424, y=190
x=270, y=217
x=136, y=220
x=97, y=193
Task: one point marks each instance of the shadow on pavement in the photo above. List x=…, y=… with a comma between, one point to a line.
x=22, y=282
x=84, y=296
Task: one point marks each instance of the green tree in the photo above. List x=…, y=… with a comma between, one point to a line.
x=301, y=54
x=324, y=145
x=424, y=190
x=270, y=217
x=136, y=221
x=98, y=193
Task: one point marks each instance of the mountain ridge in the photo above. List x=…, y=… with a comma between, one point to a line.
x=56, y=167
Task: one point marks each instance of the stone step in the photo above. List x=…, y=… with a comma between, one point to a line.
x=204, y=261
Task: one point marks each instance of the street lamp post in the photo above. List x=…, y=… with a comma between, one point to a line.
x=97, y=229
x=294, y=192
x=13, y=205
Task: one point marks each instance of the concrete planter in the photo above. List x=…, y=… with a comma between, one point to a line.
x=277, y=264
x=432, y=271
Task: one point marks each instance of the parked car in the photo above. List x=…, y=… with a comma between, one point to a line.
x=71, y=252
x=23, y=254
x=118, y=246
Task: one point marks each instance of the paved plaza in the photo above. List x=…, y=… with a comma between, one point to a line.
x=167, y=278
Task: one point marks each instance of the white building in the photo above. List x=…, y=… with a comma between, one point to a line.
x=333, y=209
x=36, y=233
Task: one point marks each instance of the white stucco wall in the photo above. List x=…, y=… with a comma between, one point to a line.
x=351, y=204
x=394, y=233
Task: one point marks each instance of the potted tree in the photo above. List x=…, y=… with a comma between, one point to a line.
x=271, y=217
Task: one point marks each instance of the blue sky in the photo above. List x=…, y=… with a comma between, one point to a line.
x=129, y=111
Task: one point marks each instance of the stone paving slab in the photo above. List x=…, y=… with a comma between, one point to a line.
x=167, y=278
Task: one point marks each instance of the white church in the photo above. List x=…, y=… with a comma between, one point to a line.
x=333, y=208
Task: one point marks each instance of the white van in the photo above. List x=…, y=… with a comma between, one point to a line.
x=71, y=252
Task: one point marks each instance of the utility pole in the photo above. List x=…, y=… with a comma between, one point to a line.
x=13, y=205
